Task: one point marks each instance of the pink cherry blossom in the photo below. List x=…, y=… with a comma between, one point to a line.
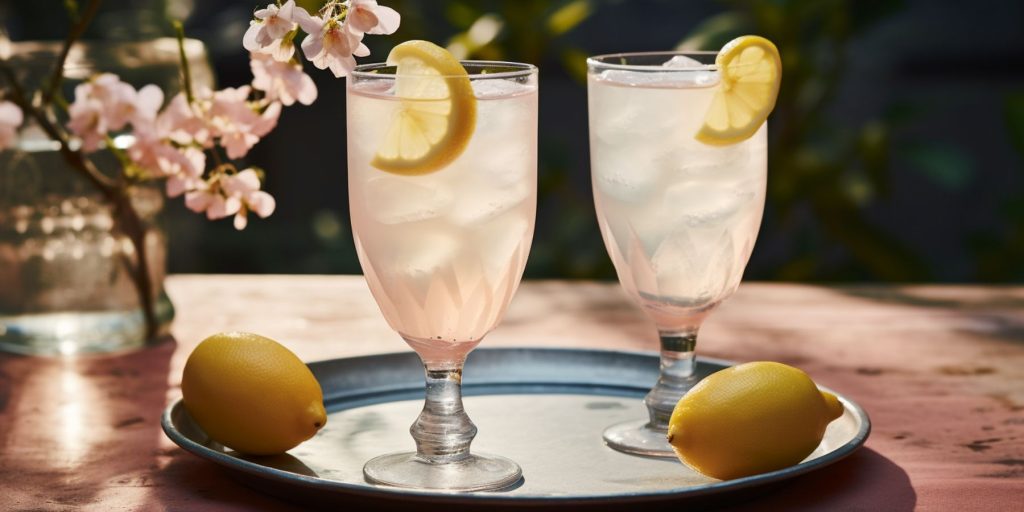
x=209, y=199
x=117, y=98
x=102, y=105
x=266, y=33
x=268, y=120
x=185, y=171
x=366, y=17
x=146, y=105
x=233, y=120
x=10, y=119
x=283, y=81
x=199, y=198
x=87, y=121
x=180, y=121
x=245, y=186
x=331, y=45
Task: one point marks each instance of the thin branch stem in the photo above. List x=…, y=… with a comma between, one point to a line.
x=74, y=158
x=77, y=29
x=186, y=73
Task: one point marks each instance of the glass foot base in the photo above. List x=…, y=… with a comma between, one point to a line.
x=638, y=438
x=478, y=472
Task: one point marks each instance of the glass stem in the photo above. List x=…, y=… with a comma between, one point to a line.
x=678, y=361
x=443, y=431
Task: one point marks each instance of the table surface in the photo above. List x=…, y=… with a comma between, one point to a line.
x=940, y=370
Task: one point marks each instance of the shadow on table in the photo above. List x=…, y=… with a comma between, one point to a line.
x=865, y=480
x=190, y=483
x=85, y=427
x=994, y=312
x=981, y=297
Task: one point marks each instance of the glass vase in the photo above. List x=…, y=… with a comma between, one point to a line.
x=66, y=269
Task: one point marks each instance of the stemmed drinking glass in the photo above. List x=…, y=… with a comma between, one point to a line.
x=443, y=246
x=678, y=216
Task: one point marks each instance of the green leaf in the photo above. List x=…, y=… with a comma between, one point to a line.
x=902, y=113
x=566, y=18
x=1015, y=119
x=873, y=149
x=310, y=5
x=715, y=32
x=71, y=6
x=575, y=62
x=461, y=14
x=945, y=166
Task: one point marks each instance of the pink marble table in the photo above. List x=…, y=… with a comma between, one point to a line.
x=940, y=369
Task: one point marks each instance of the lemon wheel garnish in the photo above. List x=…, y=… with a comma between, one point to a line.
x=751, y=71
x=437, y=115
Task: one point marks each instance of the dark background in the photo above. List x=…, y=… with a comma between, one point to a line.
x=897, y=145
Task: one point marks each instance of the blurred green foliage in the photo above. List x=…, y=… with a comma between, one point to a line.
x=824, y=172
x=1000, y=255
x=827, y=173
x=818, y=164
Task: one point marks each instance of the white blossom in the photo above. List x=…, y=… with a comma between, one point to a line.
x=283, y=81
x=10, y=119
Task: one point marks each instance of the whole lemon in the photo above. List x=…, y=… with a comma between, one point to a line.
x=252, y=394
x=750, y=419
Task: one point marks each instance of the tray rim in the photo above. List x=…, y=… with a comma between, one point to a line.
x=486, y=499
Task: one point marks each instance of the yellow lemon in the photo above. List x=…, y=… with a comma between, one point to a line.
x=751, y=71
x=437, y=115
x=252, y=394
x=750, y=419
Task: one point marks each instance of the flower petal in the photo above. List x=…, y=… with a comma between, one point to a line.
x=241, y=220
x=312, y=47
x=198, y=201
x=312, y=25
x=388, y=20
x=249, y=39
x=262, y=203
x=306, y=93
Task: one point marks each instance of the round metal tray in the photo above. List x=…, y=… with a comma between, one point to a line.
x=543, y=408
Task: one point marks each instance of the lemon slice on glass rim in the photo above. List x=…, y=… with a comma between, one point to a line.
x=437, y=115
x=751, y=72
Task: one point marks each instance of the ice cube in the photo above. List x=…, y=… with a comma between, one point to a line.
x=659, y=77
x=627, y=175
x=682, y=62
x=625, y=77
x=625, y=117
x=693, y=269
x=425, y=251
x=396, y=200
x=494, y=161
x=508, y=164
x=498, y=245
x=726, y=163
x=478, y=204
x=409, y=263
x=703, y=204
x=495, y=88
x=697, y=73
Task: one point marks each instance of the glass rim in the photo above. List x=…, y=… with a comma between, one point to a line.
x=599, y=61
x=520, y=69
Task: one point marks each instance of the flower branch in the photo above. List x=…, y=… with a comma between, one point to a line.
x=172, y=140
x=76, y=32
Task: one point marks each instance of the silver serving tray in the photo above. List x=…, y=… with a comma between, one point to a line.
x=543, y=408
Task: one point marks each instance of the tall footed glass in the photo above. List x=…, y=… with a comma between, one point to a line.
x=443, y=245
x=678, y=216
